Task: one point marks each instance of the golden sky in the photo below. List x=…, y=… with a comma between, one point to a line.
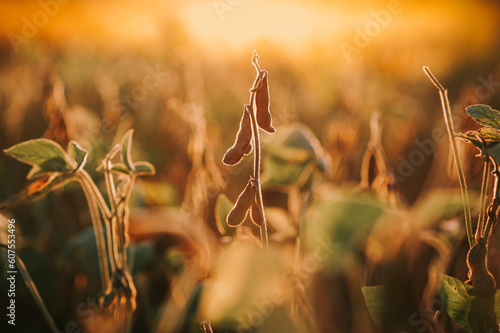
x=226, y=27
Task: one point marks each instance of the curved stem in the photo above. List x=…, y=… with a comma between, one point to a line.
x=445, y=103
x=110, y=185
x=495, y=203
x=482, y=203
x=98, y=229
x=94, y=190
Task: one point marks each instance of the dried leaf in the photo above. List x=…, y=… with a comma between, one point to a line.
x=37, y=189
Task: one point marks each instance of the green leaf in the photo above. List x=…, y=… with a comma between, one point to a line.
x=491, y=146
x=292, y=155
x=115, y=168
x=439, y=205
x=126, y=150
x=46, y=155
x=484, y=115
x=375, y=302
x=490, y=134
x=284, y=173
x=297, y=144
x=493, y=150
x=476, y=310
x=144, y=169
x=222, y=208
x=343, y=220
x=78, y=153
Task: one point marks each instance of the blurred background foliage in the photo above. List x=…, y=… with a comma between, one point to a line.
x=86, y=73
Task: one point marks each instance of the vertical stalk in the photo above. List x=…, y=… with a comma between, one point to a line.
x=256, y=176
x=492, y=210
x=256, y=143
x=482, y=203
x=445, y=103
x=98, y=229
x=125, y=221
x=95, y=191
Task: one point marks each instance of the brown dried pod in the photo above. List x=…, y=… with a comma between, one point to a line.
x=242, y=145
x=257, y=215
x=249, y=149
x=479, y=275
x=262, y=103
x=239, y=212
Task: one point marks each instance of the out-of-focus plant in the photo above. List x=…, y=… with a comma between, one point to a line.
x=53, y=167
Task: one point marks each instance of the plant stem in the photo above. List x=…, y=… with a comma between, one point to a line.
x=495, y=203
x=95, y=191
x=482, y=203
x=256, y=143
x=96, y=217
x=445, y=103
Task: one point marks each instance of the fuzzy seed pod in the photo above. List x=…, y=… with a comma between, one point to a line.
x=237, y=215
x=257, y=215
x=262, y=104
x=242, y=145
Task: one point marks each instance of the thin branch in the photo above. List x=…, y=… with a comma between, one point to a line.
x=98, y=229
x=100, y=200
x=445, y=103
x=482, y=203
x=257, y=155
x=495, y=203
x=110, y=185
